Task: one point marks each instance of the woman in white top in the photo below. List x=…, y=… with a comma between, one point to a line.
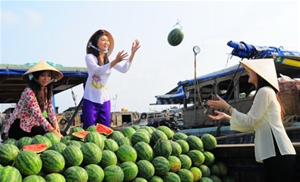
x=96, y=100
x=272, y=144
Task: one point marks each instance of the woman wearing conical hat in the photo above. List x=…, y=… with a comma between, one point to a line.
x=265, y=117
x=34, y=113
x=96, y=100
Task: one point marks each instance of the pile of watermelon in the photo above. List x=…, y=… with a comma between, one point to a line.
x=136, y=154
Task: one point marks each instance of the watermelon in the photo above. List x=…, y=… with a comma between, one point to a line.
x=206, y=179
x=95, y=173
x=54, y=138
x=76, y=173
x=215, y=170
x=102, y=129
x=175, y=163
x=197, y=157
x=176, y=148
x=209, y=158
x=145, y=169
x=11, y=141
x=24, y=141
x=205, y=170
x=73, y=156
x=144, y=130
x=161, y=165
x=179, y=136
x=75, y=143
x=59, y=147
x=167, y=131
x=156, y=179
x=92, y=154
x=8, y=153
x=136, y=127
x=171, y=177
x=28, y=163
x=150, y=130
x=184, y=146
x=53, y=161
x=140, y=137
x=75, y=129
x=108, y=158
x=128, y=132
x=196, y=173
x=157, y=135
x=126, y=153
x=186, y=161
x=39, y=139
x=175, y=37
x=215, y=178
x=123, y=141
x=66, y=139
x=79, y=134
x=223, y=168
x=110, y=144
x=209, y=141
x=130, y=170
x=195, y=143
x=139, y=179
x=34, y=178
x=144, y=151
x=91, y=128
x=95, y=138
x=163, y=148
x=54, y=177
x=9, y=174
x=113, y=173
x=186, y=175
x=36, y=148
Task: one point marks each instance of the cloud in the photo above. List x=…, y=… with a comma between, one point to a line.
x=34, y=18
x=8, y=18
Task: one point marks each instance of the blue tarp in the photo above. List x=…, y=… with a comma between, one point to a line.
x=245, y=50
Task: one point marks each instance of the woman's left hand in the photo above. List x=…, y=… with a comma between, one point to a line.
x=218, y=104
x=135, y=46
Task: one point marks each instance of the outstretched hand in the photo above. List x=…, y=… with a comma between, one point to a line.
x=218, y=104
x=135, y=46
x=121, y=56
x=219, y=116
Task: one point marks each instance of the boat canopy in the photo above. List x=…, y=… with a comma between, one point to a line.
x=12, y=83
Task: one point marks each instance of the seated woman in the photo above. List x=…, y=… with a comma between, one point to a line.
x=34, y=114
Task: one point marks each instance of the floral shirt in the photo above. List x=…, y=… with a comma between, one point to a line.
x=30, y=114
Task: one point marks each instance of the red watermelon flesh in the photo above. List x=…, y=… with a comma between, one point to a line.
x=36, y=148
x=80, y=134
x=104, y=129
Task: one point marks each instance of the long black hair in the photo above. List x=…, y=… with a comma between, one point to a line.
x=261, y=82
x=36, y=87
x=94, y=40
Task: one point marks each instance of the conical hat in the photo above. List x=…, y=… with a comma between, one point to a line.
x=264, y=68
x=110, y=38
x=43, y=66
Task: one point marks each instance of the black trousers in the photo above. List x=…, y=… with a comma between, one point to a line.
x=16, y=132
x=281, y=168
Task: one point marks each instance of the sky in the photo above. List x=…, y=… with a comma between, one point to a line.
x=57, y=31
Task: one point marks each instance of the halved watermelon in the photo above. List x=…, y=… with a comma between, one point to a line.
x=102, y=129
x=80, y=134
x=36, y=148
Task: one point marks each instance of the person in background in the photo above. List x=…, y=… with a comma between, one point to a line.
x=34, y=113
x=96, y=99
x=272, y=145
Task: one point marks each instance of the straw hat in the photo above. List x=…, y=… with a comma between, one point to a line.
x=264, y=68
x=43, y=66
x=110, y=38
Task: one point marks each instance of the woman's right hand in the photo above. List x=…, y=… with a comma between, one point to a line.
x=121, y=56
x=219, y=116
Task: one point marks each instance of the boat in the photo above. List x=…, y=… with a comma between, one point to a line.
x=236, y=149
